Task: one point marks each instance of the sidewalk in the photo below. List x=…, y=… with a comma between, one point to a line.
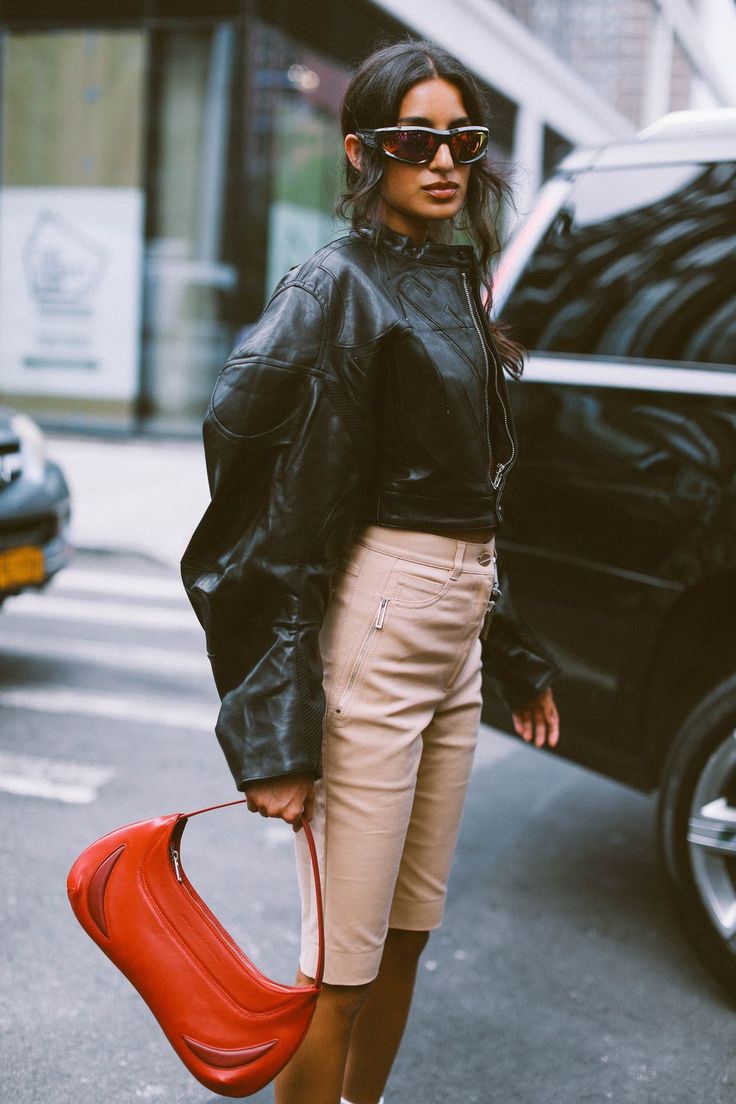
x=133, y=495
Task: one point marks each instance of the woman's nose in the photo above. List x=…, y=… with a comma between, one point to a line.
x=442, y=159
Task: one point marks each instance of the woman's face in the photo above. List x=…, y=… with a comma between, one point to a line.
x=415, y=195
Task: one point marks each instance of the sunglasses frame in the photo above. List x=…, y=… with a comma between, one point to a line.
x=370, y=139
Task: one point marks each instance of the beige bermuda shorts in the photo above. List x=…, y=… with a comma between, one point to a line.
x=402, y=677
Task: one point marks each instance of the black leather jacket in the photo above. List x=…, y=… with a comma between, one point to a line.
x=370, y=390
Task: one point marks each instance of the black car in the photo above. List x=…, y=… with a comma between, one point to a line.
x=34, y=508
x=620, y=528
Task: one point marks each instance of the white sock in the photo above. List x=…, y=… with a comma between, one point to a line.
x=344, y=1100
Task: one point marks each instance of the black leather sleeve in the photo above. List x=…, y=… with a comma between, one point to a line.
x=513, y=655
x=285, y=471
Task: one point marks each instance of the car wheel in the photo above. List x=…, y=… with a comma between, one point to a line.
x=697, y=822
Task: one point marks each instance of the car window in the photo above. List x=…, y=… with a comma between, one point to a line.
x=638, y=264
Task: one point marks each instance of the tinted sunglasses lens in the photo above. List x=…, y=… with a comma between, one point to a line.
x=414, y=146
x=469, y=145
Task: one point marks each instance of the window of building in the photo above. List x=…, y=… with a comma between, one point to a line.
x=244, y=158
x=71, y=221
x=191, y=271
x=555, y=148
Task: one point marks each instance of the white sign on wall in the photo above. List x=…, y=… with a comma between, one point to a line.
x=71, y=263
x=294, y=233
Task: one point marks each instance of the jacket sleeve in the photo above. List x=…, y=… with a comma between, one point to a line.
x=513, y=655
x=285, y=463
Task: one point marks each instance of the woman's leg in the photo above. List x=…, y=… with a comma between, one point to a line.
x=386, y=678
x=444, y=769
x=380, y=1024
x=315, y=1073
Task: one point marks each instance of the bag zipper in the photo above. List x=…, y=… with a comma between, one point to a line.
x=494, y=479
x=358, y=665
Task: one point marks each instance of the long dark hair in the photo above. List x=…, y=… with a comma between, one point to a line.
x=373, y=99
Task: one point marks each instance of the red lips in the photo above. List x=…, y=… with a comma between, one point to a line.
x=441, y=186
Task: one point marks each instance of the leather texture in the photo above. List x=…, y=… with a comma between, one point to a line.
x=369, y=391
x=232, y=1027
x=513, y=656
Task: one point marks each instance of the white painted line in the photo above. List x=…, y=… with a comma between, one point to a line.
x=90, y=581
x=128, y=586
x=53, y=779
x=164, y=712
x=493, y=747
x=99, y=653
x=50, y=606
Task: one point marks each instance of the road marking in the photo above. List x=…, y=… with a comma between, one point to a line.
x=164, y=712
x=56, y=780
x=493, y=746
x=99, y=653
x=129, y=586
x=52, y=607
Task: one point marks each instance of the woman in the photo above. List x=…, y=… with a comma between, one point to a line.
x=357, y=445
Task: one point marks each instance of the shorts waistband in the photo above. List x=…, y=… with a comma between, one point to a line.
x=429, y=548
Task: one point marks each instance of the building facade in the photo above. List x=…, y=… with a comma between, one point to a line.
x=163, y=162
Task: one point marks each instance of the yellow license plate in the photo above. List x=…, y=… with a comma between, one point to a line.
x=21, y=567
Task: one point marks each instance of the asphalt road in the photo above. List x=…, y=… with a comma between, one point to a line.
x=560, y=976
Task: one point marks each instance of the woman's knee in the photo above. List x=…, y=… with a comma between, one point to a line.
x=344, y=1001
x=341, y=1002
x=406, y=943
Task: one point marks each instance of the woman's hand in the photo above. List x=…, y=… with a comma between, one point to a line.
x=539, y=721
x=290, y=797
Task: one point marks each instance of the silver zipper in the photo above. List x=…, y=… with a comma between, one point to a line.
x=500, y=467
x=493, y=600
x=175, y=860
x=357, y=666
x=381, y=615
x=469, y=297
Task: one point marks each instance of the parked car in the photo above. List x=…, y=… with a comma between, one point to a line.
x=620, y=528
x=34, y=508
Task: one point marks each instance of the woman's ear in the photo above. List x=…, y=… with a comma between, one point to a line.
x=353, y=150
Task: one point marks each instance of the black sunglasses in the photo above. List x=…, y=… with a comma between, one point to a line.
x=418, y=145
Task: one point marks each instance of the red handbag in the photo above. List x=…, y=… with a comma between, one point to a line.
x=233, y=1027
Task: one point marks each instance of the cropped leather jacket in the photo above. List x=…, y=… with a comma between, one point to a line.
x=369, y=391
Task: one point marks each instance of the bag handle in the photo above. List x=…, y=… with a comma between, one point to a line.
x=315, y=874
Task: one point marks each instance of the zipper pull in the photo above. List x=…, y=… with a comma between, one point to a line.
x=486, y=626
x=175, y=860
x=493, y=601
x=381, y=615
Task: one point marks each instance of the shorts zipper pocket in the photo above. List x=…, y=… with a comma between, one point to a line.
x=360, y=658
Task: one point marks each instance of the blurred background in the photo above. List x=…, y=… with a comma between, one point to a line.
x=163, y=162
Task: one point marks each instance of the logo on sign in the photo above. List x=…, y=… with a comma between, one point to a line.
x=62, y=264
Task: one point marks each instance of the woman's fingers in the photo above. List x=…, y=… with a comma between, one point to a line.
x=553, y=720
x=286, y=797
x=540, y=725
x=539, y=722
x=522, y=724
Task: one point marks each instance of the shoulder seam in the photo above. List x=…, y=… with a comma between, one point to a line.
x=304, y=286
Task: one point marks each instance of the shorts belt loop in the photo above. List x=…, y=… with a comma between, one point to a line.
x=459, y=556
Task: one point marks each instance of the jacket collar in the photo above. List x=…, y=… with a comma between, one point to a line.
x=429, y=252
